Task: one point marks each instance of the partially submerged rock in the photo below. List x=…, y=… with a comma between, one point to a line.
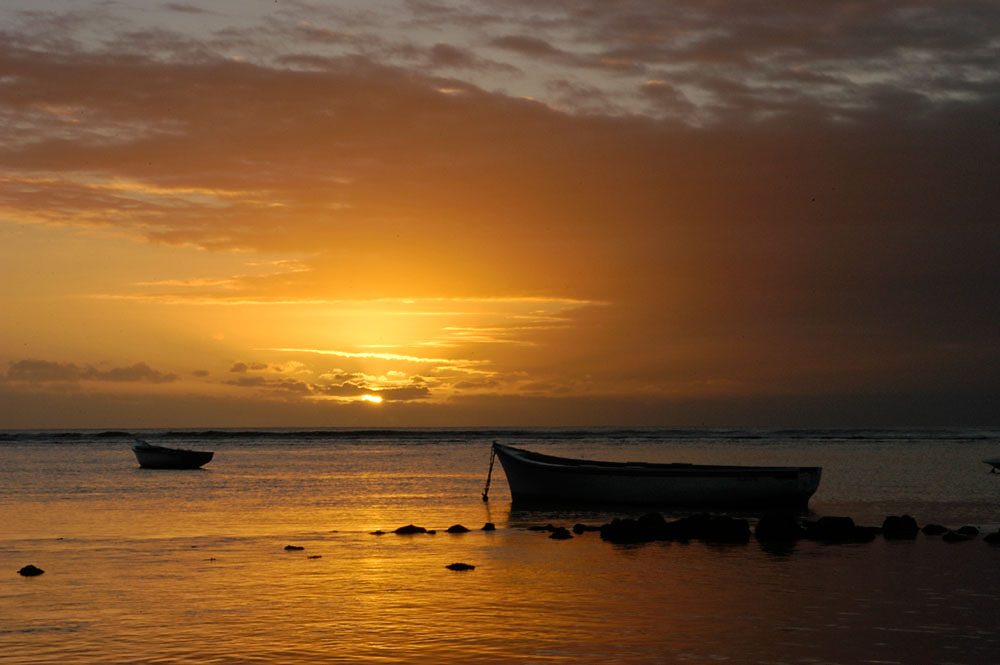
x=30, y=571
x=457, y=528
x=584, y=528
x=293, y=548
x=934, y=529
x=489, y=526
x=460, y=566
x=543, y=527
x=956, y=537
x=970, y=531
x=779, y=528
x=992, y=538
x=410, y=529
x=561, y=533
x=898, y=527
x=652, y=526
x=835, y=529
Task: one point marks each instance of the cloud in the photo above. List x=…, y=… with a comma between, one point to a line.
x=242, y=367
x=45, y=371
x=773, y=196
x=293, y=386
x=185, y=8
x=406, y=393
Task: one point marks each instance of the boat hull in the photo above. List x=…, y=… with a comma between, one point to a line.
x=158, y=457
x=543, y=479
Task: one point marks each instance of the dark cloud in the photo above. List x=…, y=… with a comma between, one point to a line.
x=345, y=389
x=242, y=367
x=446, y=55
x=42, y=371
x=185, y=8
x=404, y=394
x=293, y=386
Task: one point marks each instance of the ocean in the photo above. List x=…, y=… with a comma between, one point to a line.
x=154, y=566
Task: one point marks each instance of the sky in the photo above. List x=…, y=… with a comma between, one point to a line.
x=296, y=213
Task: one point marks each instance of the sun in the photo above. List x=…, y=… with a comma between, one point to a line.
x=374, y=399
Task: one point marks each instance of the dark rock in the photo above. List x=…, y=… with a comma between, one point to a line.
x=410, y=529
x=955, y=537
x=970, y=531
x=934, y=529
x=293, y=548
x=539, y=527
x=489, y=526
x=624, y=531
x=315, y=556
x=653, y=526
x=457, y=528
x=896, y=527
x=378, y=532
x=431, y=532
x=708, y=528
x=992, y=538
x=778, y=527
x=30, y=571
x=686, y=528
x=460, y=566
x=727, y=530
x=561, y=533
x=832, y=529
x=584, y=528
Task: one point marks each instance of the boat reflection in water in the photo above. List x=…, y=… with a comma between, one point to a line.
x=535, y=478
x=161, y=457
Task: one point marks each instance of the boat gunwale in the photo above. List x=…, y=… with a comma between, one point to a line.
x=600, y=467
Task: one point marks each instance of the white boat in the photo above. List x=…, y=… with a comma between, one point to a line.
x=535, y=478
x=994, y=462
x=161, y=457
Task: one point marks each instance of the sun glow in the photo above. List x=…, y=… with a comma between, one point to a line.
x=374, y=399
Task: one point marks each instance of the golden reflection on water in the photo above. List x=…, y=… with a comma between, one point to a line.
x=179, y=567
x=390, y=599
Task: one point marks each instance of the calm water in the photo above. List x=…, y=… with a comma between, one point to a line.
x=189, y=566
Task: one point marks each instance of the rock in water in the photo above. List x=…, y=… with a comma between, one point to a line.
x=410, y=529
x=562, y=533
x=897, y=527
x=457, y=528
x=489, y=526
x=293, y=548
x=778, y=527
x=30, y=571
x=955, y=537
x=831, y=529
x=460, y=566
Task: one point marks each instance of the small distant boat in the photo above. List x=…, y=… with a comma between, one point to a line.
x=161, y=457
x=994, y=462
x=535, y=478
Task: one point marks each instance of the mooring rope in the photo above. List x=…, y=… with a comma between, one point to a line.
x=489, y=476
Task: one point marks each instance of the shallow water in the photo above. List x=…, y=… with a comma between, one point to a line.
x=190, y=566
